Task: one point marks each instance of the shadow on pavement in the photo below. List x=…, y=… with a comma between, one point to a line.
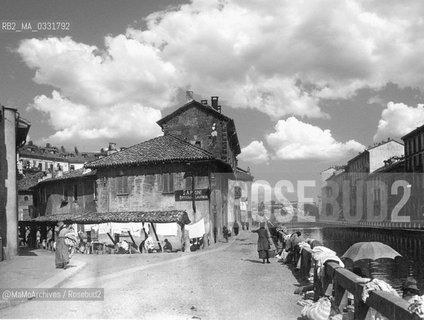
x=253, y=261
x=296, y=273
x=24, y=251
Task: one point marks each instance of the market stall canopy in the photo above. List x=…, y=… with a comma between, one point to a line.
x=169, y=216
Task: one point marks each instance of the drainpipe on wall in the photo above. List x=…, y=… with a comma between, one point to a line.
x=194, y=197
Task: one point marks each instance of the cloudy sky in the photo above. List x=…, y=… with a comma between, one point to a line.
x=309, y=83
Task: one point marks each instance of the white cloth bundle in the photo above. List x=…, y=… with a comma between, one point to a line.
x=321, y=255
x=378, y=285
x=319, y=310
x=417, y=306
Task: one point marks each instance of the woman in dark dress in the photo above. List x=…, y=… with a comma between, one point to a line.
x=62, y=249
x=263, y=243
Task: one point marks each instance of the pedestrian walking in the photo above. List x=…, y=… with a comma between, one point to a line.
x=215, y=234
x=263, y=243
x=62, y=249
x=225, y=233
x=49, y=239
x=236, y=228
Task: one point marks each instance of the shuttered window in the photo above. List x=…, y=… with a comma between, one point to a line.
x=168, y=183
x=122, y=185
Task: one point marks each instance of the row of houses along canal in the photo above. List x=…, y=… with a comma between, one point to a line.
x=409, y=243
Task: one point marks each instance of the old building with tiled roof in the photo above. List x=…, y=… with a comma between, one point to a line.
x=189, y=169
x=163, y=149
x=205, y=126
x=25, y=197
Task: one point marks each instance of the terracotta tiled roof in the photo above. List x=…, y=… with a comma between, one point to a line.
x=72, y=174
x=30, y=180
x=36, y=152
x=162, y=149
x=129, y=216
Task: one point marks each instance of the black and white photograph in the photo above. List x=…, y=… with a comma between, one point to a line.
x=212, y=159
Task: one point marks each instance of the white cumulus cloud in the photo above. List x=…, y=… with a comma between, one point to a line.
x=75, y=122
x=113, y=94
x=294, y=139
x=397, y=119
x=254, y=152
x=279, y=57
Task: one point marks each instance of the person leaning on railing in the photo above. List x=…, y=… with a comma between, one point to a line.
x=410, y=290
x=293, y=248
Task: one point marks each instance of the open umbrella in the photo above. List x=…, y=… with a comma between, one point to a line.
x=371, y=251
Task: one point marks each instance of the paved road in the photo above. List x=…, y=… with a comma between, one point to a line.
x=226, y=281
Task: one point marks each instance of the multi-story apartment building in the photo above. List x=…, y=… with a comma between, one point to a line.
x=52, y=159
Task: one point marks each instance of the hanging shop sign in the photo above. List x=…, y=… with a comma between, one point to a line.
x=187, y=195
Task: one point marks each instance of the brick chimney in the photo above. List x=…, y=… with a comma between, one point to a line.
x=112, y=146
x=214, y=103
x=204, y=102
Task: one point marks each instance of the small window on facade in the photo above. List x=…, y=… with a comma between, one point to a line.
x=72, y=167
x=40, y=166
x=26, y=198
x=122, y=185
x=75, y=192
x=168, y=183
x=189, y=183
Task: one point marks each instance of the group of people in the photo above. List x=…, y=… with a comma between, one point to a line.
x=291, y=247
x=289, y=243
